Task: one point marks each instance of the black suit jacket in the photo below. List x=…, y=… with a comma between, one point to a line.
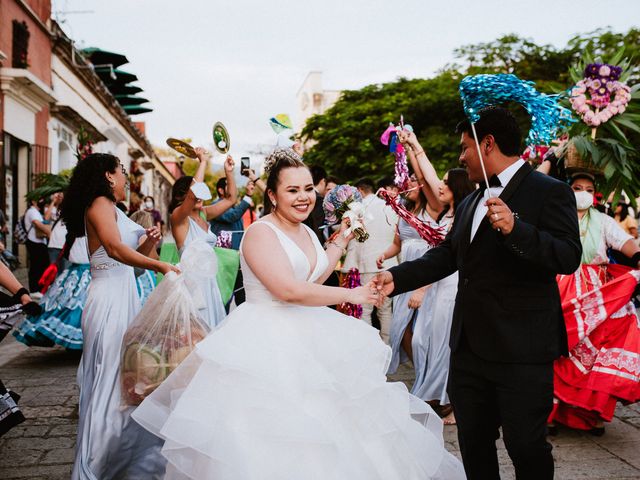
x=316, y=219
x=508, y=304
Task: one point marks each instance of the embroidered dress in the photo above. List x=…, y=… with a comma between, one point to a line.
x=60, y=321
x=603, y=330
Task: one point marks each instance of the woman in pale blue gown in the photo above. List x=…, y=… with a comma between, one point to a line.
x=430, y=342
x=285, y=388
x=409, y=245
x=190, y=221
x=110, y=444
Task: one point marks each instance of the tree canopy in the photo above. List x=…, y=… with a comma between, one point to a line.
x=346, y=138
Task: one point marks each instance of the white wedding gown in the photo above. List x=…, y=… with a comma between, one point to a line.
x=286, y=392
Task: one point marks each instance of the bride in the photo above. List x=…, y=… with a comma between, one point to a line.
x=284, y=388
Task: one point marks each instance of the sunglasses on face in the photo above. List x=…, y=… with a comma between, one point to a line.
x=124, y=170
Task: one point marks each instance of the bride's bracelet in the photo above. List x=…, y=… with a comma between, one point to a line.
x=333, y=242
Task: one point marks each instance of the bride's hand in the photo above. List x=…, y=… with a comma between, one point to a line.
x=344, y=225
x=367, y=294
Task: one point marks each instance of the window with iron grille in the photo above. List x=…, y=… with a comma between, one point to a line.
x=20, y=45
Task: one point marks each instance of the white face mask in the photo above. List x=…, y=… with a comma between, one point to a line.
x=148, y=205
x=584, y=200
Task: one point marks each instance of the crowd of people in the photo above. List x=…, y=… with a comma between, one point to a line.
x=497, y=320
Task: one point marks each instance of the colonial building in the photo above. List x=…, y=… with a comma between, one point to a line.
x=313, y=99
x=26, y=94
x=51, y=94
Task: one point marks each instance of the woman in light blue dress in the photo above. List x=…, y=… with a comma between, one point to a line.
x=110, y=444
x=430, y=342
x=60, y=321
x=409, y=245
x=190, y=221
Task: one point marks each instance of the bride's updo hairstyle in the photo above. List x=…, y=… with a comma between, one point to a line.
x=276, y=162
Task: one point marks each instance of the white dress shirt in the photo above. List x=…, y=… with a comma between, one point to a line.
x=505, y=177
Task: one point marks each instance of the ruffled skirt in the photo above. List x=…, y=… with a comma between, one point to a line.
x=60, y=321
x=281, y=392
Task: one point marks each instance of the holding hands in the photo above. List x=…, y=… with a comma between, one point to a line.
x=383, y=283
x=366, y=294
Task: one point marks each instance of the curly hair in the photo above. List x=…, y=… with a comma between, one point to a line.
x=87, y=183
x=278, y=160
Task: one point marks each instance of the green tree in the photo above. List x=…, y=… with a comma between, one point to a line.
x=346, y=138
x=348, y=134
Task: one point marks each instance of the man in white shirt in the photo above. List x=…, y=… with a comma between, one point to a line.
x=380, y=222
x=58, y=235
x=37, y=233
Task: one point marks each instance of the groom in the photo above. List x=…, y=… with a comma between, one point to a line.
x=507, y=325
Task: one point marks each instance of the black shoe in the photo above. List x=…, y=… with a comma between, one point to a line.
x=596, y=431
x=11, y=414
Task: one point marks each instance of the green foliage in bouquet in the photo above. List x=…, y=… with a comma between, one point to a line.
x=607, y=137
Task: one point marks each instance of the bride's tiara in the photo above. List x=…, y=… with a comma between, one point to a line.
x=280, y=155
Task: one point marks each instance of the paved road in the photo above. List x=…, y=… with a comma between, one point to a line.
x=43, y=446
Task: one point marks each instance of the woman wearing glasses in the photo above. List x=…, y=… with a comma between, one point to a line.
x=110, y=444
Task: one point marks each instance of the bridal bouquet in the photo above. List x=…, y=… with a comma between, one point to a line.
x=346, y=201
x=167, y=328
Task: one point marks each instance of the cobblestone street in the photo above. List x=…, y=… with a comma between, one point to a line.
x=43, y=446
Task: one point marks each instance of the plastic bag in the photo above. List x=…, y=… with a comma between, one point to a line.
x=167, y=328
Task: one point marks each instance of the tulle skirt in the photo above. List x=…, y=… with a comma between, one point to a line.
x=281, y=392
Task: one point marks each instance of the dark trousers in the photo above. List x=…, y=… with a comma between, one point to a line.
x=486, y=395
x=38, y=263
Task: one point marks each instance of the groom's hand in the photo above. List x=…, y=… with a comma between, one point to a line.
x=383, y=283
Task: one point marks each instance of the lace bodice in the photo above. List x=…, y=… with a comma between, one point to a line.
x=130, y=233
x=196, y=232
x=256, y=292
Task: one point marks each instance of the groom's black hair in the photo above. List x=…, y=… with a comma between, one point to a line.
x=499, y=123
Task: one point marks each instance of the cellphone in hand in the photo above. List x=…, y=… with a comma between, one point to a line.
x=244, y=166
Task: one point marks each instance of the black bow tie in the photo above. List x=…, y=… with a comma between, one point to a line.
x=494, y=181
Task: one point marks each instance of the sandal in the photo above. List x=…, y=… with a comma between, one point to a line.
x=449, y=419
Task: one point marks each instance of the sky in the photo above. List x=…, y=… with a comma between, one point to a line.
x=242, y=61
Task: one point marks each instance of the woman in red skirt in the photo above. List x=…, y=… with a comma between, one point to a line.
x=603, y=328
